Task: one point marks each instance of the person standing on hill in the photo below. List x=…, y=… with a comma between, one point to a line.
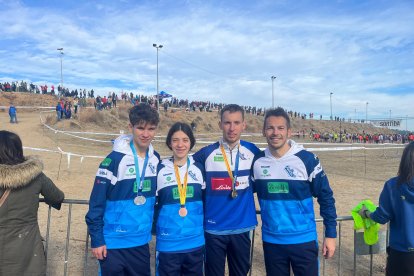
x=121, y=205
x=13, y=114
x=75, y=104
x=396, y=206
x=58, y=111
x=230, y=213
x=114, y=99
x=286, y=178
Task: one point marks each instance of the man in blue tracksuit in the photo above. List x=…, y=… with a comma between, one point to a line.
x=122, y=201
x=286, y=178
x=229, y=205
x=13, y=114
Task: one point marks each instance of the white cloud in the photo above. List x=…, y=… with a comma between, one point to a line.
x=223, y=52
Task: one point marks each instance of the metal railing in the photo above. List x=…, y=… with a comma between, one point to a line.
x=72, y=202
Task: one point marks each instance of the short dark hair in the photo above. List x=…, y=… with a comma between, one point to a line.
x=143, y=113
x=11, y=148
x=277, y=112
x=406, y=169
x=232, y=108
x=184, y=128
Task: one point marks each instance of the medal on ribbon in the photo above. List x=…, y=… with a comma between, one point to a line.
x=233, y=177
x=139, y=177
x=182, y=188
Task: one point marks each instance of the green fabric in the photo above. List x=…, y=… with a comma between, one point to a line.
x=370, y=227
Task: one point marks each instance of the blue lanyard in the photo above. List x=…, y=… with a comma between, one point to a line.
x=139, y=177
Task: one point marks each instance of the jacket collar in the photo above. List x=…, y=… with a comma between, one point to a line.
x=20, y=175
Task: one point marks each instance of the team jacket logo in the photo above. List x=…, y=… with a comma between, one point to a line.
x=146, y=186
x=221, y=184
x=102, y=172
x=278, y=188
x=98, y=181
x=152, y=168
x=265, y=173
x=218, y=158
x=242, y=157
x=290, y=171
x=130, y=171
x=192, y=175
x=106, y=162
x=189, y=194
x=169, y=179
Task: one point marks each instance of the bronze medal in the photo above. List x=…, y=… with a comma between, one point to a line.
x=234, y=194
x=182, y=212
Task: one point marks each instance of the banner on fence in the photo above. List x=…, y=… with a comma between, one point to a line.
x=386, y=123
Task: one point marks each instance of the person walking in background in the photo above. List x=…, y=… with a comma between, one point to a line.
x=230, y=213
x=21, y=182
x=13, y=114
x=121, y=205
x=396, y=206
x=59, y=111
x=286, y=177
x=180, y=231
x=75, y=105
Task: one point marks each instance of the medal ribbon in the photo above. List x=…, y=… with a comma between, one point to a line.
x=139, y=177
x=182, y=188
x=236, y=167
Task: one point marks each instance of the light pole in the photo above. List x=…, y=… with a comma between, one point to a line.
x=366, y=113
x=61, y=67
x=390, y=114
x=355, y=116
x=406, y=119
x=330, y=97
x=273, y=92
x=158, y=47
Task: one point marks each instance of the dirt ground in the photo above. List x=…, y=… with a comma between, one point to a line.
x=354, y=176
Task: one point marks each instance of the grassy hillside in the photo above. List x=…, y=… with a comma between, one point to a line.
x=207, y=122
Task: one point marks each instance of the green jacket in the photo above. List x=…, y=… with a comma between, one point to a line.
x=21, y=247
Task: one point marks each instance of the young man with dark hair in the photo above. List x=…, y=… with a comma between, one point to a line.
x=230, y=213
x=122, y=202
x=286, y=177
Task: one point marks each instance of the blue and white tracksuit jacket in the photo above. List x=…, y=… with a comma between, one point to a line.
x=285, y=187
x=113, y=219
x=223, y=214
x=396, y=205
x=175, y=233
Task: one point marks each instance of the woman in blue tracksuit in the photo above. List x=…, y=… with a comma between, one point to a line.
x=396, y=205
x=180, y=233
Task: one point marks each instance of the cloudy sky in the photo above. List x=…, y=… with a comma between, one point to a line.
x=222, y=51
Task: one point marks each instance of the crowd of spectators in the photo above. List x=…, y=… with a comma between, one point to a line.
x=64, y=108
x=376, y=138
x=183, y=104
x=104, y=102
x=22, y=86
x=110, y=101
